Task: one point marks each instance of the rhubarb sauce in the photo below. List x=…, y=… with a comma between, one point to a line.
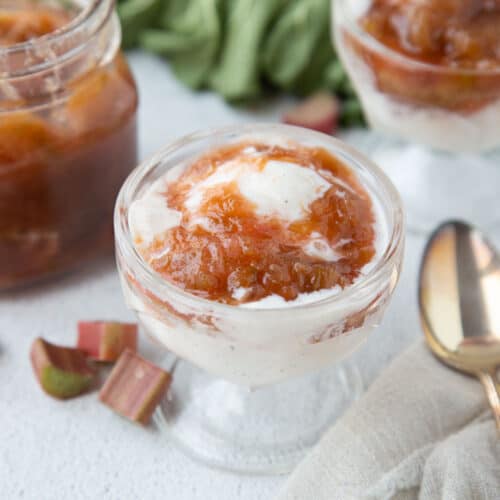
x=456, y=33
x=246, y=230
x=441, y=54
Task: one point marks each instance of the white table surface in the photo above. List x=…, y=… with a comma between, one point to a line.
x=79, y=449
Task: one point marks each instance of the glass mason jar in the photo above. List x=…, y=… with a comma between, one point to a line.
x=68, y=137
x=248, y=393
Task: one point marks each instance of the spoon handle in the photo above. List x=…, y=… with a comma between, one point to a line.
x=493, y=393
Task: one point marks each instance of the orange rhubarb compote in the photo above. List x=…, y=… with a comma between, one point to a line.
x=460, y=33
x=455, y=34
x=18, y=26
x=251, y=220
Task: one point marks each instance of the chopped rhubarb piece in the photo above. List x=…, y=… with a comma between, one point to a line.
x=104, y=340
x=62, y=372
x=89, y=107
x=319, y=112
x=135, y=387
x=23, y=135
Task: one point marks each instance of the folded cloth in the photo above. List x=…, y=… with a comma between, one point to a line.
x=421, y=431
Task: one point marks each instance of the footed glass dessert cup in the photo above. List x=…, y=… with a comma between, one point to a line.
x=436, y=118
x=255, y=388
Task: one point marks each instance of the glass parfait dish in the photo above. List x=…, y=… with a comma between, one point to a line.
x=254, y=389
x=437, y=124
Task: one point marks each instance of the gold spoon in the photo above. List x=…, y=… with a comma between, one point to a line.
x=459, y=297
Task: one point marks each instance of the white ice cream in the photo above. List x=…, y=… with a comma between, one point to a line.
x=262, y=347
x=437, y=128
x=281, y=189
x=151, y=216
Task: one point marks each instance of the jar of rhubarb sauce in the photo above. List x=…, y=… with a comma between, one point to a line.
x=68, y=137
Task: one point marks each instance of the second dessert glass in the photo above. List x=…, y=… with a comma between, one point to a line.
x=437, y=125
x=254, y=389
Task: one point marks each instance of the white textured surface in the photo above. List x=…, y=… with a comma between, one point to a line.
x=81, y=450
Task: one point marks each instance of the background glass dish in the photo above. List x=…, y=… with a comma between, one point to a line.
x=418, y=110
x=233, y=403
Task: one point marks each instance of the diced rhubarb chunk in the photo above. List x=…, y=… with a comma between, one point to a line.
x=101, y=99
x=106, y=340
x=135, y=387
x=63, y=372
x=23, y=135
x=319, y=112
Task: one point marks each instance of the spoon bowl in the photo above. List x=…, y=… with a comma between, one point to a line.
x=459, y=298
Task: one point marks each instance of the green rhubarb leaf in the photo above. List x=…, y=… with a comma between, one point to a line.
x=190, y=37
x=293, y=40
x=237, y=74
x=135, y=16
x=314, y=76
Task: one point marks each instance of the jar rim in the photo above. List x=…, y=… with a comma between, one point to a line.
x=162, y=287
x=349, y=22
x=88, y=22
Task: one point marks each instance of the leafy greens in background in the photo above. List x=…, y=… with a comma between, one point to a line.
x=241, y=48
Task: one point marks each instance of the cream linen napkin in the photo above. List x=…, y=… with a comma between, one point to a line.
x=421, y=431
